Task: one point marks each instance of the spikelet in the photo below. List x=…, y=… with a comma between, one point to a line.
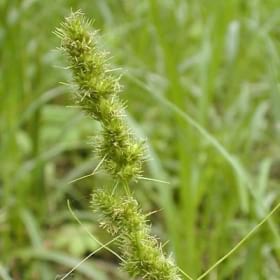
x=142, y=252
x=96, y=92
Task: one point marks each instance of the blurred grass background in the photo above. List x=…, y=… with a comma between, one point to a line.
x=192, y=69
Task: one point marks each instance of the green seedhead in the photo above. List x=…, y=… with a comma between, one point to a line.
x=122, y=156
x=142, y=252
x=96, y=92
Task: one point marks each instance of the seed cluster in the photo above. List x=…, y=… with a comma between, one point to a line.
x=142, y=252
x=96, y=92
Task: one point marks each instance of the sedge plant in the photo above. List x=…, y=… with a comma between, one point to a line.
x=121, y=154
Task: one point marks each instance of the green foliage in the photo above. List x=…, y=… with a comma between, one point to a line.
x=214, y=61
x=79, y=243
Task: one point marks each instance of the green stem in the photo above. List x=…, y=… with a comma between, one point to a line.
x=240, y=243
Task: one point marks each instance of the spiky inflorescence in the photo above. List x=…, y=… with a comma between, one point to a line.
x=97, y=94
x=142, y=252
